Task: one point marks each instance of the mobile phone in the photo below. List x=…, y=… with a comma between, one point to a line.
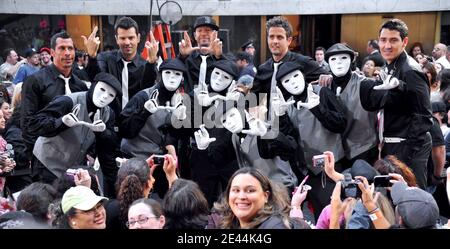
x=319, y=161
x=158, y=159
x=382, y=181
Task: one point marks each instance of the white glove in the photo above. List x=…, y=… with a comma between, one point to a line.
x=180, y=111
x=98, y=125
x=152, y=104
x=202, y=138
x=389, y=82
x=71, y=119
x=279, y=105
x=338, y=91
x=233, y=93
x=313, y=100
x=257, y=126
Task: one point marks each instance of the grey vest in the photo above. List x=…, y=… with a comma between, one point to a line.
x=275, y=169
x=68, y=148
x=149, y=140
x=314, y=137
x=360, y=134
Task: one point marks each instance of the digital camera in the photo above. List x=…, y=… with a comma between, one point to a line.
x=350, y=187
x=319, y=161
x=158, y=159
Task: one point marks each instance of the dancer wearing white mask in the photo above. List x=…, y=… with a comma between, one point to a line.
x=145, y=124
x=272, y=156
x=146, y=119
x=71, y=124
x=212, y=159
x=360, y=137
x=319, y=119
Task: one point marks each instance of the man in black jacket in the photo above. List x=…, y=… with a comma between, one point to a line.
x=40, y=88
x=404, y=100
x=138, y=74
x=208, y=51
x=279, y=37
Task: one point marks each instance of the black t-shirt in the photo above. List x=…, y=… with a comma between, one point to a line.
x=437, y=139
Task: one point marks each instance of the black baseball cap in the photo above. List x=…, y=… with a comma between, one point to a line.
x=205, y=21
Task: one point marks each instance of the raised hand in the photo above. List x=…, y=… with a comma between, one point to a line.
x=299, y=194
x=215, y=45
x=257, y=126
x=313, y=99
x=152, y=47
x=279, y=105
x=185, y=45
x=92, y=43
x=83, y=178
x=233, y=92
x=202, y=138
x=152, y=104
x=180, y=111
x=389, y=81
x=71, y=119
x=203, y=95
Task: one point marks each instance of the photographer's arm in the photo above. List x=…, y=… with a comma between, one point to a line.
x=329, y=167
x=376, y=215
x=170, y=168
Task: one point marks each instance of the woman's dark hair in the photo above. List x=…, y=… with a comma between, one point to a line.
x=62, y=220
x=391, y=164
x=430, y=67
x=185, y=206
x=35, y=200
x=416, y=44
x=132, y=177
x=274, y=205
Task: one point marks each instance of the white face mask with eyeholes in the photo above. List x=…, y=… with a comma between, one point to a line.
x=232, y=120
x=220, y=80
x=103, y=94
x=339, y=64
x=294, y=82
x=171, y=79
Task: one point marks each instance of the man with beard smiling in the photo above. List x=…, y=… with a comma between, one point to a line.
x=199, y=60
x=41, y=87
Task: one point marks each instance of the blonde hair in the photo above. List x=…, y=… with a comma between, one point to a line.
x=17, y=96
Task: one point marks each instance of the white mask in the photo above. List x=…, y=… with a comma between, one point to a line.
x=172, y=79
x=103, y=94
x=220, y=79
x=294, y=82
x=339, y=64
x=232, y=120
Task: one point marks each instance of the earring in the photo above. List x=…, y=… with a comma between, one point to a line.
x=74, y=223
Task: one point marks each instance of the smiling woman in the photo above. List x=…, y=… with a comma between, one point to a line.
x=251, y=201
x=82, y=209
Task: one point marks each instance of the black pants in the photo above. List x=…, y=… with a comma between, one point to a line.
x=212, y=180
x=414, y=156
x=321, y=191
